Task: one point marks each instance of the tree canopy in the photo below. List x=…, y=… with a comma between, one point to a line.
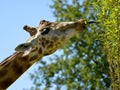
x=90, y=61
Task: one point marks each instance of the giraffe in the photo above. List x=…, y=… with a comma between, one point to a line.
x=44, y=40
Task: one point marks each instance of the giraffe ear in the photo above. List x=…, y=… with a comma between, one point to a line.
x=23, y=47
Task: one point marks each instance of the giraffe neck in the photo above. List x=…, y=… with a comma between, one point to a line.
x=13, y=67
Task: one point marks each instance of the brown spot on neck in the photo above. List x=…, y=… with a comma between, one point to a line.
x=50, y=46
x=43, y=44
x=2, y=73
x=40, y=50
x=17, y=69
x=55, y=38
x=33, y=58
x=5, y=83
x=25, y=58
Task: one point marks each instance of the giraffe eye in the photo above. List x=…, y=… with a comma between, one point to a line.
x=45, y=31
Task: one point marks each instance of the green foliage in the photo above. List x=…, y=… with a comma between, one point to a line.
x=109, y=15
x=83, y=64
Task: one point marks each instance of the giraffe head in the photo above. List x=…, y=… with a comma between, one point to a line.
x=44, y=40
x=49, y=36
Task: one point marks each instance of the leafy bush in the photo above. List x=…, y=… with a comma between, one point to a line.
x=91, y=59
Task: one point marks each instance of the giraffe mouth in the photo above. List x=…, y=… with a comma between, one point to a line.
x=78, y=25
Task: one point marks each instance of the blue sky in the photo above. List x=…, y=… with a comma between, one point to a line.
x=14, y=14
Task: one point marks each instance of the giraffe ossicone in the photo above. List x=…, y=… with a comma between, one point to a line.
x=44, y=40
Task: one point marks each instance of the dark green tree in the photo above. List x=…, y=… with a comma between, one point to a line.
x=109, y=15
x=83, y=63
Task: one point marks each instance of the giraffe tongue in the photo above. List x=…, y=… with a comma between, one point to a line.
x=90, y=22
